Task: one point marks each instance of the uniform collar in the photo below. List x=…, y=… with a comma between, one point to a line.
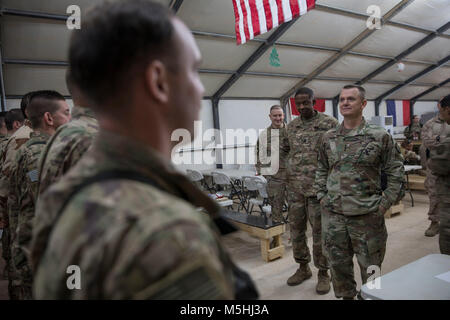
x=39, y=134
x=138, y=157
x=270, y=127
x=78, y=112
x=127, y=154
x=360, y=130
x=302, y=120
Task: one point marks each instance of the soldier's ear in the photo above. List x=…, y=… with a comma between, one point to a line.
x=156, y=81
x=48, y=119
x=17, y=124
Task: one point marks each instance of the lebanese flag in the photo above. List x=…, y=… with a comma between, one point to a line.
x=255, y=17
x=400, y=112
x=319, y=106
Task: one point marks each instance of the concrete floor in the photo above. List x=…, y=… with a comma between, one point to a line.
x=406, y=243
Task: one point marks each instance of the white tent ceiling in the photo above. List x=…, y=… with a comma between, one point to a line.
x=311, y=41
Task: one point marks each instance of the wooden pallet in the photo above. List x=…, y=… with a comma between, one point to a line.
x=416, y=182
x=394, y=210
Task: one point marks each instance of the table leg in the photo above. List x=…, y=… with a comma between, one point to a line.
x=409, y=189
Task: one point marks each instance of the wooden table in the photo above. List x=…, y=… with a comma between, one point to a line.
x=264, y=229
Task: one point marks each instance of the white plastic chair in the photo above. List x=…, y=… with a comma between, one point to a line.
x=230, y=188
x=266, y=209
x=252, y=185
x=197, y=176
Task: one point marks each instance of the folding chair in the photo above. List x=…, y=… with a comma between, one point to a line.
x=197, y=176
x=263, y=202
x=250, y=193
x=230, y=188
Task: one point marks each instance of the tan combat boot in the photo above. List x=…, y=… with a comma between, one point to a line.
x=302, y=273
x=323, y=282
x=433, y=229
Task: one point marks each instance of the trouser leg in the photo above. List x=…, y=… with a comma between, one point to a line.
x=315, y=219
x=368, y=235
x=339, y=252
x=298, y=224
x=276, y=190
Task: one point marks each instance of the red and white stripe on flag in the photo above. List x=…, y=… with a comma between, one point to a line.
x=400, y=111
x=255, y=17
x=319, y=106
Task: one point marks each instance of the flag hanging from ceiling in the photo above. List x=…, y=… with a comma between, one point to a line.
x=319, y=106
x=255, y=17
x=400, y=112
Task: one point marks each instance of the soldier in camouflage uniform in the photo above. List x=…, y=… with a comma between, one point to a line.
x=348, y=178
x=3, y=137
x=304, y=134
x=410, y=157
x=70, y=141
x=122, y=214
x=276, y=182
x=14, y=119
x=9, y=155
x=412, y=132
x=47, y=111
x=438, y=162
x=433, y=128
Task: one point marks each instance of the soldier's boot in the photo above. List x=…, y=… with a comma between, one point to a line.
x=323, y=282
x=302, y=273
x=433, y=229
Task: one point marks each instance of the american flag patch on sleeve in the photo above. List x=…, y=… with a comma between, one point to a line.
x=33, y=175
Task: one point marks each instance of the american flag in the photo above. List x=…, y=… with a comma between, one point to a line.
x=255, y=17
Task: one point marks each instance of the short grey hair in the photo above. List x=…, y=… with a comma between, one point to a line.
x=361, y=90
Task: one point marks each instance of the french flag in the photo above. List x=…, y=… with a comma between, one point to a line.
x=319, y=106
x=400, y=112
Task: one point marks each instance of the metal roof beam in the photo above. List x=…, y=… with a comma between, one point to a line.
x=358, y=15
x=443, y=83
x=406, y=52
x=175, y=5
x=36, y=62
x=42, y=15
x=215, y=71
x=2, y=83
x=304, y=46
x=254, y=57
x=33, y=14
x=413, y=78
x=362, y=36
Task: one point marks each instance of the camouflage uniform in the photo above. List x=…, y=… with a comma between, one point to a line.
x=430, y=131
x=20, y=137
x=349, y=190
x=302, y=142
x=3, y=142
x=4, y=214
x=130, y=240
x=439, y=164
x=25, y=177
x=409, y=132
x=276, y=184
x=66, y=147
x=410, y=157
